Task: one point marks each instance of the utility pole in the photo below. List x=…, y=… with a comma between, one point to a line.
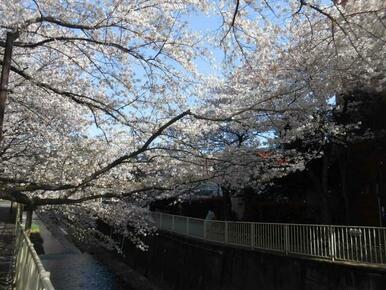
x=11, y=37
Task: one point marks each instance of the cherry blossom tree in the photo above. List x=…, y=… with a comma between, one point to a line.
x=87, y=90
x=105, y=100
x=290, y=66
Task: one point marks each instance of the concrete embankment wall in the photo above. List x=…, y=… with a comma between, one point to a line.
x=177, y=263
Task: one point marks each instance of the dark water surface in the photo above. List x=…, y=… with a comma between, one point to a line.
x=70, y=268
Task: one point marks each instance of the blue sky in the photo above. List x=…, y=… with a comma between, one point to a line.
x=206, y=25
x=209, y=25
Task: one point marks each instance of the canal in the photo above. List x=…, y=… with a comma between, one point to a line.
x=69, y=267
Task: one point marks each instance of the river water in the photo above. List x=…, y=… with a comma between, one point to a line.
x=70, y=268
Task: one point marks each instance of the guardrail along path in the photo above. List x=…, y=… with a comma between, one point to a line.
x=356, y=245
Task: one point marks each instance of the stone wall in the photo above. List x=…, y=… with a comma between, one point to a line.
x=177, y=263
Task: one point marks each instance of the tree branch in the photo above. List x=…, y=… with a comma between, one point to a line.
x=31, y=186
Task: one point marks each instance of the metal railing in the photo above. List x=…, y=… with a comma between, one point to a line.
x=30, y=273
x=354, y=244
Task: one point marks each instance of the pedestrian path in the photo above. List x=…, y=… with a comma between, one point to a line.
x=7, y=245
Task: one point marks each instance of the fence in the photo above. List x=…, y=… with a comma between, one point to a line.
x=30, y=273
x=354, y=244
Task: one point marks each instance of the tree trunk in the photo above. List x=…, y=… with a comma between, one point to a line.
x=226, y=205
x=326, y=208
x=20, y=208
x=11, y=37
x=28, y=221
x=343, y=179
x=321, y=187
x=326, y=216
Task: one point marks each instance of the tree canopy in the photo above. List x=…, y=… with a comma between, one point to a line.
x=106, y=99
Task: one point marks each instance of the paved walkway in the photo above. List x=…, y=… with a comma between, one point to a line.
x=7, y=244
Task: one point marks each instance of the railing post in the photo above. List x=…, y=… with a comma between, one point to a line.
x=187, y=226
x=332, y=242
x=204, y=230
x=286, y=239
x=226, y=239
x=160, y=220
x=252, y=235
x=173, y=226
